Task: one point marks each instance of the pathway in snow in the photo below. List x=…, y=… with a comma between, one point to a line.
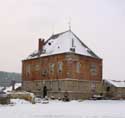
x=58, y=109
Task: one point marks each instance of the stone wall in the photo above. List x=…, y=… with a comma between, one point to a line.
x=77, y=89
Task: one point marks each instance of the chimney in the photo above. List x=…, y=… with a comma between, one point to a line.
x=40, y=45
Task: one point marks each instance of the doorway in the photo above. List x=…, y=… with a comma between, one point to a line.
x=44, y=91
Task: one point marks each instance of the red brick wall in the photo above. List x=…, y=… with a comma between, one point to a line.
x=39, y=65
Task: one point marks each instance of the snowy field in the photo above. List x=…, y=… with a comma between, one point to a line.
x=59, y=109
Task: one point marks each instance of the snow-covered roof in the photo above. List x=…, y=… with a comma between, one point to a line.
x=116, y=83
x=62, y=43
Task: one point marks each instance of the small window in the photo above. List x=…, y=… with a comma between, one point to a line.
x=60, y=66
x=78, y=65
x=52, y=68
x=93, y=69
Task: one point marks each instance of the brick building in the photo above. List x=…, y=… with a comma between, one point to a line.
x=63, y=64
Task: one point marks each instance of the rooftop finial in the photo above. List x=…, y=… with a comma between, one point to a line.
x=53, y=29
x=69, y=23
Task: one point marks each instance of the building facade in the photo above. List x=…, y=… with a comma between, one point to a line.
x=63, y=64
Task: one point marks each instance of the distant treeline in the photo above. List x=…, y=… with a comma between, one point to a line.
x=6, y=78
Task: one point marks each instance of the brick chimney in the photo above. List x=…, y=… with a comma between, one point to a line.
x=40, y=44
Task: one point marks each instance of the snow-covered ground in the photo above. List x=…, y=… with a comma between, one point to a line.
x=59, y=109
x=8, y=89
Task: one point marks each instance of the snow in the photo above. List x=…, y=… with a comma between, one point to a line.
x=62, y=44
x=19, y=101
x=7, y=89
x=1, y=88
x=116, y=83
x=59, y=109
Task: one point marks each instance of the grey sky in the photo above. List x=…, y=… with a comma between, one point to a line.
x=98, y=23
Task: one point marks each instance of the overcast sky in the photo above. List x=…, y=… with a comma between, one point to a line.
x=98, y=23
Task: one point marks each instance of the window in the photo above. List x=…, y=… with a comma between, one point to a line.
x=78, y=65
x=60, y=64
x=28, y=70
x=37, y=67
x=52, y=68
x=93, y=69
x=44, y=72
